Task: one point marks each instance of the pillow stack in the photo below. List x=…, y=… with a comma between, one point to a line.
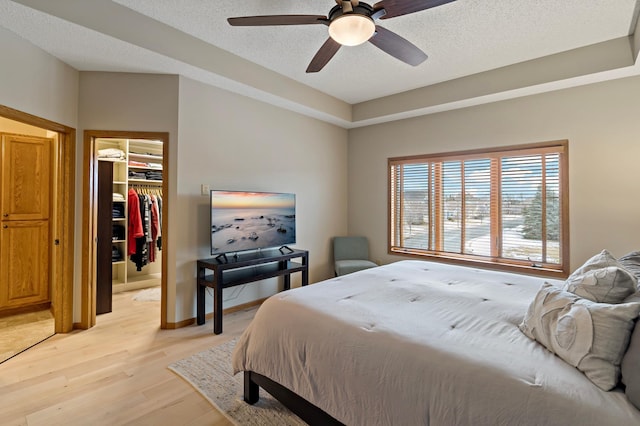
x=602, y=279
x=588, y=322
x=631, y=263
x=631, y=360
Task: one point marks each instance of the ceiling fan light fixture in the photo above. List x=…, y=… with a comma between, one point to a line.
x=351, y=29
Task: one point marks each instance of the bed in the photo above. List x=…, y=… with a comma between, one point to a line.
x=417, y=342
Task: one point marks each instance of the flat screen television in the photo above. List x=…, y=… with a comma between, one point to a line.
x=251, y=220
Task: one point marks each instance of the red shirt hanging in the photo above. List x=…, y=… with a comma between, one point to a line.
x=135, y=222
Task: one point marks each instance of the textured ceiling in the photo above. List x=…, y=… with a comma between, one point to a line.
x=462, y=38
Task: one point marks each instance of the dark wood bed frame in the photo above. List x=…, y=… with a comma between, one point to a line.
x=300, y=406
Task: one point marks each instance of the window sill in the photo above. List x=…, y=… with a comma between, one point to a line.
x=495, y=264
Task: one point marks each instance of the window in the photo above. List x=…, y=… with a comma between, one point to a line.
x=506, y=207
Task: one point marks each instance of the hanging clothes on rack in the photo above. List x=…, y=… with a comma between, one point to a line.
x=141, y=258
x=159, y=201
x=155, y=227
x=144, y=220
x=135, y=222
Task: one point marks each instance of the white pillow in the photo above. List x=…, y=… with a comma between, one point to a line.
x=629, y=368
x=631, y=262
x=602, y=279
x=590, y=336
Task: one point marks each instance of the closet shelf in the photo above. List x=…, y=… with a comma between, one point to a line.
x=147, y=156
x=146, y=181
x=144, y=168
x=112, y=160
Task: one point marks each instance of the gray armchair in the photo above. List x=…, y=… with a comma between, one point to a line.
x=351, y=254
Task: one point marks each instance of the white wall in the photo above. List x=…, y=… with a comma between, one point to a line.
x=232, y=142
x=600, y=121
x=35, y=82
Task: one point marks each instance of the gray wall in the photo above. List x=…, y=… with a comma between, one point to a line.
x=216, y=138
x=128, y=102
x=602, y=126
x=234, y=143
x=35, y=82
x=230, y=142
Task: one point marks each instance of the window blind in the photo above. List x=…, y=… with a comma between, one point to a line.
x=502, y=206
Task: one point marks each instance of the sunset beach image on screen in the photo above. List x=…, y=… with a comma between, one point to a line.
x=251, y=220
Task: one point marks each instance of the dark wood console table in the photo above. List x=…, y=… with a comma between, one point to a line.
x=244, y=268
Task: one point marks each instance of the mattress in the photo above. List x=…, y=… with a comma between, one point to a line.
x=418, y=342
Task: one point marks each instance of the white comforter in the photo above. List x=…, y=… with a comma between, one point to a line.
x=422, y=343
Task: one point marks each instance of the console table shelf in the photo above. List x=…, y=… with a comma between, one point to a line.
x=245, y=268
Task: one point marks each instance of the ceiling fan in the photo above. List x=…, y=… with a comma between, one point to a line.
x=352, y=23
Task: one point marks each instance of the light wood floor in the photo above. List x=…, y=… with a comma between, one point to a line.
x=113, y=374
x=20, y=331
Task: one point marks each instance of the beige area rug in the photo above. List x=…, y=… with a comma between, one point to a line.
x=152, y=294
x=210, y=373
x=22, y=331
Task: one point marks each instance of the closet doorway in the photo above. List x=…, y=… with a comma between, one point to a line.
x=36, y=234
x=125, y=216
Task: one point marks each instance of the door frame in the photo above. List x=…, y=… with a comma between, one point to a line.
x=62, y=221
x=89, y=219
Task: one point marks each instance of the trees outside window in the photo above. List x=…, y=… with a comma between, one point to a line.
x=505, y=207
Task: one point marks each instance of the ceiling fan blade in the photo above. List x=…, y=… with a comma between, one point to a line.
x=257, y=21
x=404, y=7
x=324, y=55
x=398, y=47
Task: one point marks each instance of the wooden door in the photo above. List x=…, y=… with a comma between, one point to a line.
x=24, y=255
x=25, y=205
x=26, y=177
